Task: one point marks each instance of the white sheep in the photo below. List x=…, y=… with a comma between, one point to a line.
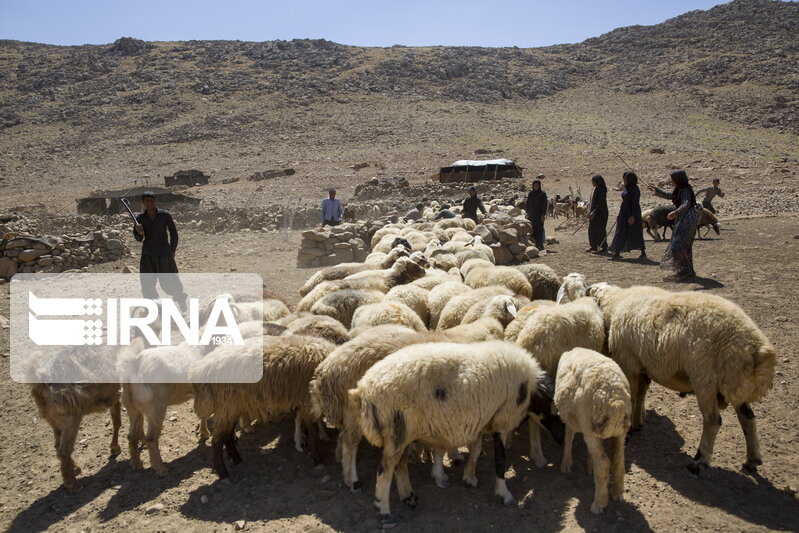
x=324, y=327
x=384, y=312
x=63, y=405
x=346, y=269
x=572, y=287
x=548, y=333
x=458, y=306
x=516, y=325
x=486, y=276
x=440, y=295
x=593, y=398
x=288, y=365
x=342, y=304
x=692, y=343
x=500, y=307
x=414, y=297
x=544, y=281
x=434, y=278
x=443, y=395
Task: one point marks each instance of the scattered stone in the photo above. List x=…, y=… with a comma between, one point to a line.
x=203, y=499
x=155, y=508
x=238, y=525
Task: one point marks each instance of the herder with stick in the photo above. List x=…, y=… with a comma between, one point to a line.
x=158, y=252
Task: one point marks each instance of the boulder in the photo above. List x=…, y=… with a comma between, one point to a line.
x=532, y=252
x=8, y=267
x=30, y=254
x=316, y=235
x=484, y=232
x=508, y=236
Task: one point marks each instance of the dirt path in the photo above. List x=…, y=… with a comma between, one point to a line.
x=753, y=262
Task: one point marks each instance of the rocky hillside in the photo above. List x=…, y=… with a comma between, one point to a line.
x=741, y=59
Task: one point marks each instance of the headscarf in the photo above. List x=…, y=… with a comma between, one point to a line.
x=680, y=179
x=631, y=179
x=599, y=181
x=540, y=189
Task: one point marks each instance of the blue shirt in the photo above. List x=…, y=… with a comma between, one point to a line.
x=155, y=233
x=332, y=210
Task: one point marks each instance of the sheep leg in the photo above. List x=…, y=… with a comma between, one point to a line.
x=155, y=425
x=404, y=487
x=639, y=386
x=469, y=475
x=313, y=443
x=220, y=439
x=746, y=417
x=601, y=471
x=711, y=422
x=245, y=422
x=385, y=474
x=202, y=430
x=230, y=446
x=322, y=431
x=66, y=444
x=617, y=467
x=536, y=453
x=298, y=444
x=349, y=469
x=566, y=462
x=442, y=480
x=500, y=487
x=135, y=435
x=116, y=423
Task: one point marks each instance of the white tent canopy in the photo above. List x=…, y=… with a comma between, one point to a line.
x=478, y=163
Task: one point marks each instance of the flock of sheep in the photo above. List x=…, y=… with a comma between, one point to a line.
x=428, y=346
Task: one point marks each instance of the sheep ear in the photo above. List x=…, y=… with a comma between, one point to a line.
x=511, y=309
x=561, y=294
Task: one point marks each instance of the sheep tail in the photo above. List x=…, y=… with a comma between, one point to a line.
x=612, y=419
x=368, y=417
x=763, y=373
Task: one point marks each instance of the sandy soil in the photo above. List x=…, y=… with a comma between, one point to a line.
x=753, y=263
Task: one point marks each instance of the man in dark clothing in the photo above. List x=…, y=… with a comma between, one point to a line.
x=158, y=252
x=472, y=204
x=445, y=212
x=536, y=212
x=415, y=213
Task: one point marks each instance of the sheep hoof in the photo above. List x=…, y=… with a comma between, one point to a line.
x=76, y=469
x=442, y=483
x=115, y=450
x=73, y=487
x=697, y=468
x=565, y=469
x=471, y=483
x=357, y=487
x=751, y=465
x=161, y=471
x=540, y=462
x=137, y=465
x=596, y=508
x=387, y=521
x=411, y=501
x=507, y=500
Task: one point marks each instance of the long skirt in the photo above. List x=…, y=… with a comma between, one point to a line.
x=539, y=236
x=679, y=255
x=597, y=230
x=628, y=236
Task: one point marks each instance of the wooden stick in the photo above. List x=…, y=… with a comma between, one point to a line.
x=631, y=169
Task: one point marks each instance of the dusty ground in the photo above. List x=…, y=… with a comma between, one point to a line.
x=753, y=262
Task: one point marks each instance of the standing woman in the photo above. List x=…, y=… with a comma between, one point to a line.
x=598, y=217
x=679, y=254
x=629, y=230
x=537, y=212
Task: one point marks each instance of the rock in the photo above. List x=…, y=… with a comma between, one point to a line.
x=502, y=255
x=532, y=252
x=345, y=255
x=30, y=254
x=114, y=244
x=203, y=499
x=45, y=260
x=316, y=235
x=342, y=246
x=516, y=248
x=155, y=508
x=552, y=240
x=8, y=267
x=484, y=232
x=660, y=151
x=3, y=322
x=238, y=525
x=508, y=236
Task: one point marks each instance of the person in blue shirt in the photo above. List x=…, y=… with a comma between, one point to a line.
x=331, y=210
x=158, y=250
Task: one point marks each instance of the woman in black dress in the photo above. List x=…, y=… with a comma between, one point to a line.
x=629, y=230
x=598, y=216
x=537, y=212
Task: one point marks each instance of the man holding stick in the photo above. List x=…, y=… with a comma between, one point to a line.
x=157, y=252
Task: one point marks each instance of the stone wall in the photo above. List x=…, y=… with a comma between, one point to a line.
x=48, y=254
x=345, y=243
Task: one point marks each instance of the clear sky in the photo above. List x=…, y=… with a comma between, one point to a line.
x=520, y=23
